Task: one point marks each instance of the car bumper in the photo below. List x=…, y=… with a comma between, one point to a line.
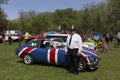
x=95, y=63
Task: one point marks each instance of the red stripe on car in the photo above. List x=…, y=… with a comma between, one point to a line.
x=52, y=56
x=25, y=51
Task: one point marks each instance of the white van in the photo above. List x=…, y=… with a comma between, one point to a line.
x=14, y=34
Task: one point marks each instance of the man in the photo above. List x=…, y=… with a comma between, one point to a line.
x=19, y=36
x=3, y=36
x=118, y=38
x=26, y=37
x=9, y=38
x=74, y=46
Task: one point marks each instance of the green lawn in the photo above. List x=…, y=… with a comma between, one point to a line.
x=11, y=67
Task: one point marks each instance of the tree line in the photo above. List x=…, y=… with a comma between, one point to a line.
x=102, y=17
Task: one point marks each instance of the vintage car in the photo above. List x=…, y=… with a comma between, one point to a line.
x=89, y=45
x=1, y=39
x=97, y=44
x=40, y=50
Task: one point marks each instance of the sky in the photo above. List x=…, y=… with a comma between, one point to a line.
x=13, y=7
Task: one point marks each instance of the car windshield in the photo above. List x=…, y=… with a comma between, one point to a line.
x=55, y=36
x=33, y=44
x=56, y=43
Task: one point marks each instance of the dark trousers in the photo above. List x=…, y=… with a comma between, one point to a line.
x=10, y=40
x=19, y=42
x=26, y=40
x=107, y=40
x=118, y=41
x=73, y=60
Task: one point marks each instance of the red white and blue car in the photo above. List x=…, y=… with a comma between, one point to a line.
x=41, y=50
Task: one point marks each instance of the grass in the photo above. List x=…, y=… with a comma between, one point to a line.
x=11, y=67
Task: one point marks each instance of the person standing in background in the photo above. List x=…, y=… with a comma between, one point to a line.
x=74, y=46
x=104, y=44
x=26, y=37
x=9, y=38
x=111, y=37
x=3, y=36
x=19, y=37
x=107, y=37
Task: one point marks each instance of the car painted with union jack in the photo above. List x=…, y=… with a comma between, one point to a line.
x=40, y=50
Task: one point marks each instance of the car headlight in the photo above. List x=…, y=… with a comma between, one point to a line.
x=91, y=47
x=88, y=55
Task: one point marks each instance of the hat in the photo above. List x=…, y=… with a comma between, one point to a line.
x=72, y=28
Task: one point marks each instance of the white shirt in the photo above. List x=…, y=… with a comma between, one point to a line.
x=76, y=42
x=118, y=35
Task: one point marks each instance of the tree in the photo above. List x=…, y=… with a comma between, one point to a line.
x=42, y=22
x=25, y=19
x=3, y=2
x=66, y=18
x=114, y=14
x=3, y=20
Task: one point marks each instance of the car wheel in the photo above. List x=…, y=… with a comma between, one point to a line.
x=82, y=65
x=28, y=59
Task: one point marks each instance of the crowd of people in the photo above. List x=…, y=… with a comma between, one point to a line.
x=106, y=39
x=74, y=44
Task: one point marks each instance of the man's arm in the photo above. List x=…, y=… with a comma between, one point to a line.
x=79, y=44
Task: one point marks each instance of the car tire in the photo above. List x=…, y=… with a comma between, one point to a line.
x=82, y=65
x=28, y=59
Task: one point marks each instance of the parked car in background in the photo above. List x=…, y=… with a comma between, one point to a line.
x=1, y=39
x=31, y=37
x=88, y=45
x=62, y=36
x=40, y=50
x=14, y=33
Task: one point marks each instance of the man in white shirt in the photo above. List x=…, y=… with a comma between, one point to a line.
x=74, y=46
x=118, y=38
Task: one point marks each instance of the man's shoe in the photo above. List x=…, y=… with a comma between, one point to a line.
x=76, y=73
x=70, y=71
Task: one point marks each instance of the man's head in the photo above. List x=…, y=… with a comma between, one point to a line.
x=73, y=31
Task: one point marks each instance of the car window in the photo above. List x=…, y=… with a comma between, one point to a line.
x=33, y=44
x=41, y=44
x=53, y=36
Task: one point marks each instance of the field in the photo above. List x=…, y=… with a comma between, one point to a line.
x=12, y=68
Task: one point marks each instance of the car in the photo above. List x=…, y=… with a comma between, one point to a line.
x=56, y=42
x=89, y=45
x=86, y=44
x=62, y=36
x=1, y=39
x=89, y=39
x=30, y=37
x=40, y=50
x=14, y=35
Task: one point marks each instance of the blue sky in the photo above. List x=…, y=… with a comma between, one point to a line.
x=13, y=7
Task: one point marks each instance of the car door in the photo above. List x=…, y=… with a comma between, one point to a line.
x=49, y=54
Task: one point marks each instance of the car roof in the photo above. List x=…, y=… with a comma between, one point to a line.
x=57, y=35
x=40, y=38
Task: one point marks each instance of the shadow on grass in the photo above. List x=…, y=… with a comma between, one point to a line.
x=20, y=61
x=54, y=65
x=44, y=64
x=116, y=46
